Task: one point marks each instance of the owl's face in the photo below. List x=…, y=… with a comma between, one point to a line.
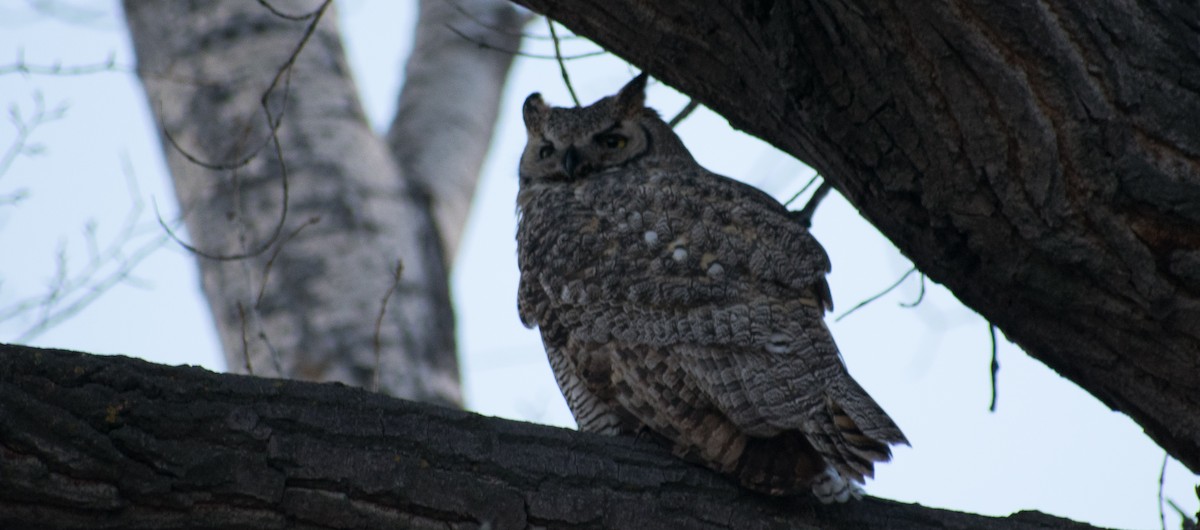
x=566, y=144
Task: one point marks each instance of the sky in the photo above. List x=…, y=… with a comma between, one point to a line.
x=80, y=197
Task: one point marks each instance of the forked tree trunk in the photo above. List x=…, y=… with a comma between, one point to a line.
x=305, y=302
x=1040, y=159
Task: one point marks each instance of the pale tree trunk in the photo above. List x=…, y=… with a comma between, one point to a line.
x=1040, y=159
x=451, y=96
x=305, y=302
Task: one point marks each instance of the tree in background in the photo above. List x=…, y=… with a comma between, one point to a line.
x=308, y=226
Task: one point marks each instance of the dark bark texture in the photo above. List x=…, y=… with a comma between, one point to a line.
x=1040, y=159
x=112, y=442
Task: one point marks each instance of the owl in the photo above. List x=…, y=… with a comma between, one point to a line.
x=680, y=304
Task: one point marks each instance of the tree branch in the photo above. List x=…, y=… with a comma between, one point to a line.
x=113, y=442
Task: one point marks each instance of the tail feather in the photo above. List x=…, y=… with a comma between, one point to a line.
x=854, y=402
x=852, y=433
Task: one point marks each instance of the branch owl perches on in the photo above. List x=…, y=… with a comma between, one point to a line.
x=677, y=301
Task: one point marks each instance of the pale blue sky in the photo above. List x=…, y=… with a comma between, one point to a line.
x=1049, y=446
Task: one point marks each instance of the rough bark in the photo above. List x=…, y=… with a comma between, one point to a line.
x=1040, y=159
x=448, y=107
x=306, y=307
x=112, y=442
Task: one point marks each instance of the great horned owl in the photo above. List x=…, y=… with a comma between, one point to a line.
x=683, y=303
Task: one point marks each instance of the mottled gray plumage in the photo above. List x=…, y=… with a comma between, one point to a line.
x=678, y=301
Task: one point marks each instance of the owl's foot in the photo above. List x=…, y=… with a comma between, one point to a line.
x=833, y=487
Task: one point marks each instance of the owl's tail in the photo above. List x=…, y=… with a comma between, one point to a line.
x=852, y=433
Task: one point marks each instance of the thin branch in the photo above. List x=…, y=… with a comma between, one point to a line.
x=69, y=293
x=14, y=198
x=562, y=67
x=26, y=127
x=295, y=18
x=497, y=29
x=687, y=110
x=487, y=46
x=274, y=354
x=1187, y=522
x=811, y=181
x=920, y=295
x=995, y=368
x=245, y=341
x=262, y=288
x=20, y=66
x=1162, y=478
x=284, y=73
x=805, y=214
x=889, y=289
x=396, y=274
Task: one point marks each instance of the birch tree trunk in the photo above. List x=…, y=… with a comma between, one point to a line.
x=322, y=211
x=1040, y=159
x=450, y=101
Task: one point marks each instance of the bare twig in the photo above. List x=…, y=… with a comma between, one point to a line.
x=805, y=214
x=1187, y=522
x=396, y=274
x=15, y=197
x=68, y=13
x=274, y=352
x=284, y=74
x=889, y=289
x=20, y=66
x=1162, y=478
x=920, y=295
x=25, y=128
x=262, y=288
x=561, y=65
x=245, y=341
x=295, y=18
x=687, y=110
x=69, y=292
x=995, y=368
x=497, y=29
x=487, y=46
x=809, y=184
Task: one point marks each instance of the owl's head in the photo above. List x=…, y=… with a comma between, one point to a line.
x=566, y=144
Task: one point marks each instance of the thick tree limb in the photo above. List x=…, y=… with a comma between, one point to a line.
x=1034, y=157
x=112, y=442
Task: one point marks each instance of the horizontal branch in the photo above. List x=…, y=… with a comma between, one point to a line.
x=112, y=442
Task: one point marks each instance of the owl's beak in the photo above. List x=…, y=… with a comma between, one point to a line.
x=570, y=161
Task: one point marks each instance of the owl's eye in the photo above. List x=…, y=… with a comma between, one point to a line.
x=545, y=151
x=611, y=141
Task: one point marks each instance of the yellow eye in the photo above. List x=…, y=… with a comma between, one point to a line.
x=545, y=151
x=611, y=141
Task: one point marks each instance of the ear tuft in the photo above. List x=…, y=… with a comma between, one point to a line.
x=534, y=111
x=631, y=100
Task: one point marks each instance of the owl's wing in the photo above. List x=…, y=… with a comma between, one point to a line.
x=723, y=277
x=806, y=390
